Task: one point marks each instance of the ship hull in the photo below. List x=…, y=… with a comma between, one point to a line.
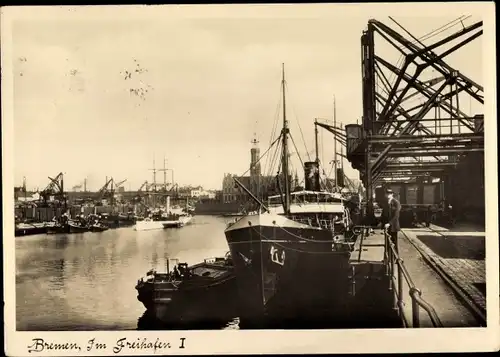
x=97, y=228
x=73, y=228
x=149, y=225
x=202, y=305
x=25, y=230
x=286, y=271
x=31, y=229
x=155, y=225
x=185, y=220
x=58, y=229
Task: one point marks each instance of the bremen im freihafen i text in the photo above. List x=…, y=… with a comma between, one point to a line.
x=39, y=345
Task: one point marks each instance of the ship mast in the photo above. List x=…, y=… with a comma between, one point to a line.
x=154, y=182
x=335, y=143
x=316, y=139
x=286, y=203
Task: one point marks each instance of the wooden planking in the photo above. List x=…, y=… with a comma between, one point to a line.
x=372, y=250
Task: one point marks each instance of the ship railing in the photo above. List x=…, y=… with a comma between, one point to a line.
x=322, y=223
x=400, y=276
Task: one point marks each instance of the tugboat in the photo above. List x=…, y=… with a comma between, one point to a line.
x=59, y=226
x=204, y=292
x=292, y=258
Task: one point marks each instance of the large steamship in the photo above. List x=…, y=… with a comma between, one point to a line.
x=291, y=259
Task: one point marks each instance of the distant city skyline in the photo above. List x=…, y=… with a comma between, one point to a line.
x=103, y=95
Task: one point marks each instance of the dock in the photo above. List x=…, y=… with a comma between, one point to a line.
x=417, y=287
x=458, y=257
x=372, y=295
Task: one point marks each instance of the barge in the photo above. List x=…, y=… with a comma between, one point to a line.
x=204, y=292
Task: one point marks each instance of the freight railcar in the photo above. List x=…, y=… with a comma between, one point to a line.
x=420, y=202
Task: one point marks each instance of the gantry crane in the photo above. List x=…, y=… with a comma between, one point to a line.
x=414, y=128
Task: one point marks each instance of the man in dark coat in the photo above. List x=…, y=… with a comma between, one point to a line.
x=394, y=207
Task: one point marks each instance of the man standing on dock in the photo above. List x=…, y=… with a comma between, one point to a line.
x=393, y=226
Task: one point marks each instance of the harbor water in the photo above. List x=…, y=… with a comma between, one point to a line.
x=87, y=281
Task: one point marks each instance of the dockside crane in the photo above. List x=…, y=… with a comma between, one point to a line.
x=104, y=191
x=118, y=184
x=54, y=189
x=114, y=187
x=108, y=190
x=140, y=193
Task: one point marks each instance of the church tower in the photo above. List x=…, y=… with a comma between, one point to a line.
x=254, y=157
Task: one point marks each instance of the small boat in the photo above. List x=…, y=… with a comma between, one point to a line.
x=161, y=220
x=77, y=227
x=178, y=221
x=58, y=225
x=58, y=228
x=151, y=223
x=203, y=292
x=98, y=227
x=24, y=229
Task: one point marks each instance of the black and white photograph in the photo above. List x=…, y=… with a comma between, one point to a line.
x=290, y=178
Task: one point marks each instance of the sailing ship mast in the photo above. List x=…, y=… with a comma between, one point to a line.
x=286, y=202
x=154, y=182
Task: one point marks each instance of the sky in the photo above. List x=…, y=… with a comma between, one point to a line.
x=211, y=83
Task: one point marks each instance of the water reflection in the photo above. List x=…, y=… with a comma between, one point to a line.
x=148, y=322
x=87, y=281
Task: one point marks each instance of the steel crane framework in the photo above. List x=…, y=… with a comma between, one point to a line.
x=412, y=125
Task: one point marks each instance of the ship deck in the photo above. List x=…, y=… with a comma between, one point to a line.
x=209, y=270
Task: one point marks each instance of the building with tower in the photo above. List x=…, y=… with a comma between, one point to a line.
x=261, y=186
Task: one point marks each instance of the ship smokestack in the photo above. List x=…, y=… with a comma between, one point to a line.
x=311, y=171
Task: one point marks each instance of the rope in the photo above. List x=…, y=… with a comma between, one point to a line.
x=274, y=157
x=298, y=124
x=444, y=27
x=297, y=150
x=276, y=115
x=428, y=36
x=299, y=250
x=269, y=148
x=198, y=287
x=296, y=236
